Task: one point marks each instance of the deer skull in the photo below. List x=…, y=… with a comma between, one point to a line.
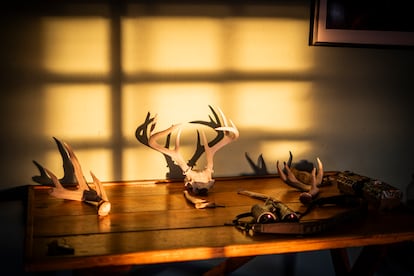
x=197, y=181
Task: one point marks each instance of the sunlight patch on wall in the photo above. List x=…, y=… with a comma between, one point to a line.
x=273, y=109
x=173, y=102
x=99, y=161
x=267, y=44
x=172, y=44
x=272, y=106
x=76, y=45
x=227, y=62
x=143, y=163
x=77, y=111
x=197, y=44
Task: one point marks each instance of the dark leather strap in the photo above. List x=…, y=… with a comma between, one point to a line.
x=355, y=205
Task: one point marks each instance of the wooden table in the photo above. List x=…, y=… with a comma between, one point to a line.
x=151, y=222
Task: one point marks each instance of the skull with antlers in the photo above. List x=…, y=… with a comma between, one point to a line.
x=72, y=185
x=198, y=182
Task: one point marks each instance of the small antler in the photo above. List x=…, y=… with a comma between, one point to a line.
x=288, y=176
x=83, y=192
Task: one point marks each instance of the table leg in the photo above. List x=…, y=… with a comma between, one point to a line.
x=228, y=266
x=366, y=263
x=340, y=261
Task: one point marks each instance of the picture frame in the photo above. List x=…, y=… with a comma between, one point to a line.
x=361, y=23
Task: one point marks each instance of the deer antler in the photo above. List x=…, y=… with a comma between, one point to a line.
x=84, y=192
x=231, y=133
x=213, y=123
x=303, y=180
x=142, y=136
x=198, y=181
x=174, y=154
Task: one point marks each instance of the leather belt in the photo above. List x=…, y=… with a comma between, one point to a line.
x=356, y=207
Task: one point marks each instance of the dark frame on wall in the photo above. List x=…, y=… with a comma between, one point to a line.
x=361, y=23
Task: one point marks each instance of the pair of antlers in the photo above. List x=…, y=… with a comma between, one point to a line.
x=199, y=180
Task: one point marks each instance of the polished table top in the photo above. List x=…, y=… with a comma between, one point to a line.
x=151, y=222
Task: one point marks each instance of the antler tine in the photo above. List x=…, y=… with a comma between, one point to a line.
x=222, y=117
x=54, y=179
x=289, y=162
x=174, y=154
x=104, y=206
x=319, y=175
x=307, y=197
x=99, y=187
x=231, y=133
x=77, y=168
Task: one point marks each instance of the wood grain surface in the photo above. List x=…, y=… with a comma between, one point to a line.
x=151, y=222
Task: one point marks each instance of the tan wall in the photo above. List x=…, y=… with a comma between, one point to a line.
x=77, y=74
